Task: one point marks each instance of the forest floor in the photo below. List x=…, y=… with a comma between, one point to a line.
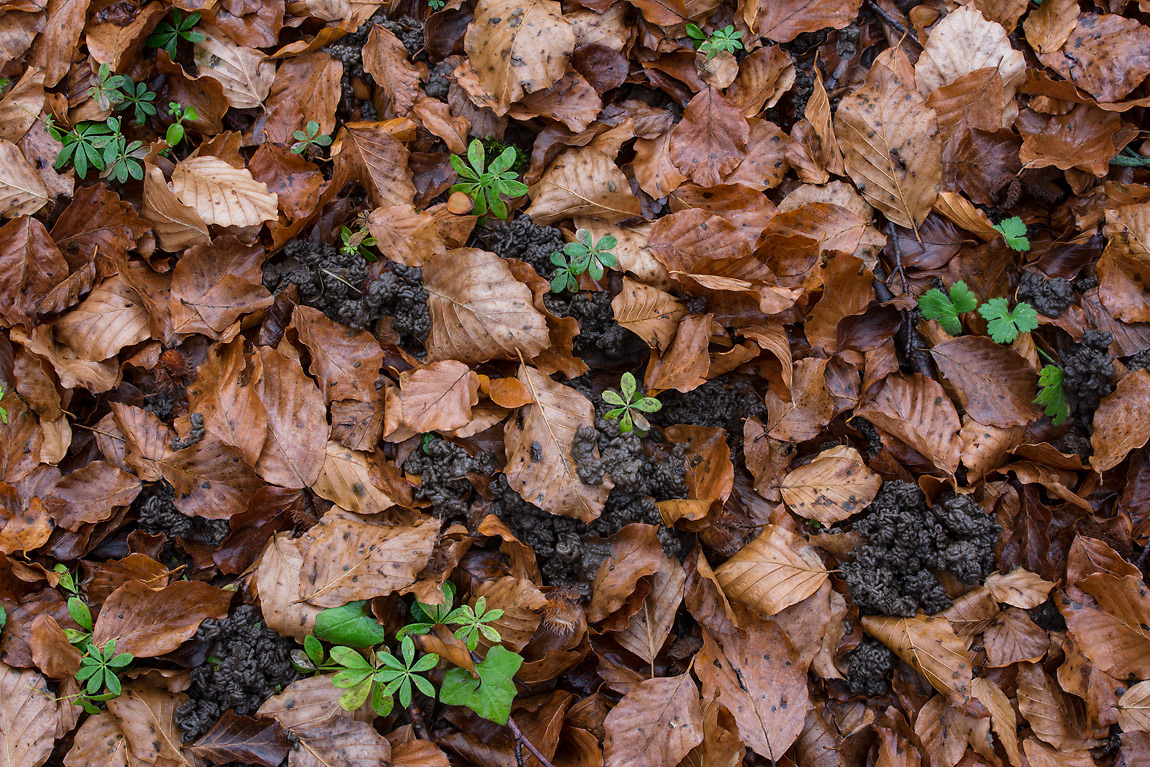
x=596, y=383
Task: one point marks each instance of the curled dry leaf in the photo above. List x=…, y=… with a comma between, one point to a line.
x=354, y=480
x=649, y=628
x=276, y=585
x=222, y=194
x=176, y=225
x=582, y=182
x=479, y=311
x=1019, y=588
x=150, y=622
x=963, y=42
x=293, y=452
x=836, y=485
x=538, y=443
x=635, y=555
x=1055, y=717
x=656, y=724
x=1121, y=420
x=385, y=59
x=774, y=571
x=32, y=266
x=245, y=74
x=935, y=651
x=376, y=159
x=27, y=718
x=344, y=361
x=648, y=312
x=439, y=396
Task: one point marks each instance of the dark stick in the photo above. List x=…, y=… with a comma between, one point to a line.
x=520, y=738
x=417, y=721
x=893, y=22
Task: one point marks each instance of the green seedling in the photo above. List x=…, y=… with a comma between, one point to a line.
x=83, y=145
x=1128, y=158
x=473, y=621
x=121, y=158
x=1004, y=324
x=944, y=308
x=436, y=5
x=566, y=275
x=492, y=694
x=1014, y=232
x=3, y=410
x=487, y=186
x=137, y=97
x=725, y=39
x=311, y=137
x=1051, y=394
x=169, y=33
x=83, y=617
x=594, y=256
x=176, y=131
x=397, y=676
x=106, y=91
x=99, y=671
x=629, y=409
x=358, y=241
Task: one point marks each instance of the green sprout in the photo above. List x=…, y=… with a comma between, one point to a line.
x=936, y=305
x=725, y=39
x=304, y=141
x=473, y=621
x=487, y=186
x=435, y=5
x=397, y=676
x=122, y=159
x=100, y=670
x=583, y=255
x=358, y=241
x=83, y=145
x=1014, y=232
x=1128, y=158
x=3, y=410
x=1003, y=324
x=168, y=33
x=1052, y=397
x=176, y=131
x=138, y=98
x=106, y=91
x=629, y=410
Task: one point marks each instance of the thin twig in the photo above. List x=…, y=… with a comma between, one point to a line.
x=417, y=721
x=893, y=22
x=892, y=233
x=521, y=738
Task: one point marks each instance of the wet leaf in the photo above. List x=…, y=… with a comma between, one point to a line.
x=774, y=571
x=150, y=622
x=656, y=724
x=241, y=738
x=834, y=486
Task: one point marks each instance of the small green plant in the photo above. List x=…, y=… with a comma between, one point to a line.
x=100, y=670
x=725, y=39
x=583, y=255
x=176, y=131
x=83, y=145
x=3, y=410
x=137, y=97
x=1128, y=158
x=121, y=158
x=169, y=33
x=436, y=5
x=357, y=241
x=312, y=137
x=106, y=91
x=366, y=669
x=487, y=186
x=1014, y=232
x=1051, y=396
x=566, y=276
x=1004, y=324
x=936, y=305
x=629, y=409
x=3, y=618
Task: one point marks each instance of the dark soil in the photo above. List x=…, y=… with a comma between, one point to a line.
x=870, y=666
x=155, y=509
x=1048, y=295
x=601, y=341
x=1087, y=368
x=522, y=239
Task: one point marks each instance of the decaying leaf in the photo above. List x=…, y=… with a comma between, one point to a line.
x=772, y=572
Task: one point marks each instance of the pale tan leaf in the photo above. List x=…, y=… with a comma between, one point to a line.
x=353, y=480
x=1134, y=708
x=346, y=558
x=21, y=104
x=889, y=139
x=582, y=182
x=276, y=584
x=656, y=724
x=110, y=318
x=836, y=485
x=648, y=312
x=1002, y=719
x=377, y=161
x=1014, y=638
x=147, y=717
x=518, y=47
x=538, y=442
x=177, y=225
x=22, y=192
x=326, y=735
x=649, y=628
x=223, y=194
x=439, y=396
x=1057, y=718
x=245, y=74
x=98, y=743
x=1019, y=588
x=932, y=647
x=774, y=571
x=479, y=311
x=1049, y=25
x=405, y=235
x=27, y=718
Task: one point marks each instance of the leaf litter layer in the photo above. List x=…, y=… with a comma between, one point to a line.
x=590, y=383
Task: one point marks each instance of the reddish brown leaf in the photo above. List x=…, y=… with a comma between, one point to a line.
x=995, y=385
x=149, y=622
x=297, y=422
x=656, y=724
x=242, y=739
x=709, y=142
x=917, y=411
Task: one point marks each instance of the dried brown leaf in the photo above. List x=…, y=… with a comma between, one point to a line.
x=774, y=571
x=656, y=724
x=835, y=486
x=151, y=622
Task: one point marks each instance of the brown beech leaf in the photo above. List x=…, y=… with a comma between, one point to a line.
x=1014, y=638
x=995, y=385
x=1122, y=425
x=945, y=732
x=245, y=74
x=21, y=105
x=52, y=653
x=324, y=733
x=757, y=675
x=224, y=392
x=22, y=193
x=685, y=240
x=708, y=143
x=385, y=59
x=649, y=628
x=98, y=743
x=147, y=717
x=917, y=411
x=346, y=558
x=966, y=41
x=110, y=318
x=582, y=182
x=571, y=100
x=214, y=286
x=479, y=311
x=520, y=602
x=518, y=47
x=1106, y=55
x=772, y=572
x=150, y=622
x=933, y=649
x=97, y=220
x=1048, y=26
x=27, y=718
x=890, y=145
x=538, y=441
x=91, y=495
x=276, y=585
x=30, y=266
x=297, y=432
x=222, y=194
x=1019, y=588
x=656, y=724
x=685, y=364
x=1115, y=637
x=306, y=89
x=210, y=479
x=377, y=161
x=439, y=396
x=405, y=235
x=1134, y=708
x=648, y=312
x=784, y=20
x=176, y=225
x=1055, y=717
x=354, y=480
x=345, y=362
x=835, y=486
x=1083, y=139
x=237, y=738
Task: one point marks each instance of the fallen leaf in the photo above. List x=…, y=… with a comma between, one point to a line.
x=835, y=486
x=933, y=649
x=276, y=585
x=22, y=193
x=27, y=718
x=774, y=571
x=656, y=724
x=1134, y=708
x=582, y=182
x=648, y=312
x=242, y=739
x=377, y=161
x=439, y=397
x=784, y=20
x=345, y=362
x=245, y=74
x=147, y=717
x=709, y=141
x=964, y=42
x=293, y=452
x=1106, y=55
x=151, y=622
x=98, y=743
x=995, y=385
x=354, y=480
x=30, y=267
x=917, y=411
x=1122, y=426
x=222, y=194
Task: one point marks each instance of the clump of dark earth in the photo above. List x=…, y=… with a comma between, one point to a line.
x=1087, y=369
x=1048, y=295
x=522, y=239
x=245, y=663
x=349, y=51
x=907, y=542
x=1140, y=361
x=439, y=81
x=161, y=404
x=443, y=468
x=156, y=511
x=410, y=33
x=724, y=402
x=870, y=434
x=195, y=433
x=333, y=282
x=869, y=670
x=600, y=336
